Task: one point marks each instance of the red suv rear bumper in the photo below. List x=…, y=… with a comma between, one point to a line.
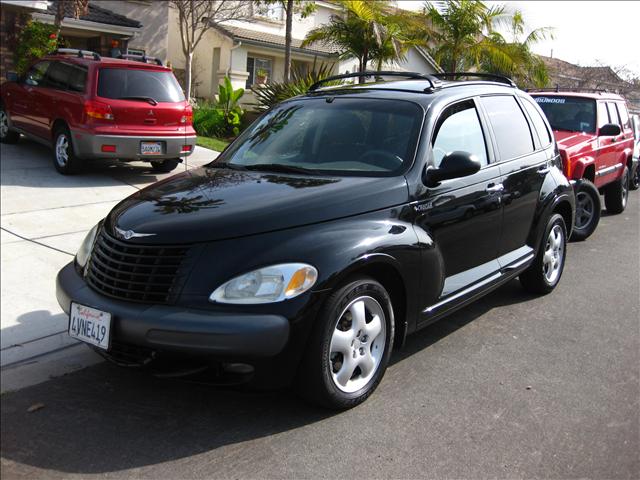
x=128, y=147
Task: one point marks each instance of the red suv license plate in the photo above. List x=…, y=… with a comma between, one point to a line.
x=151, y=148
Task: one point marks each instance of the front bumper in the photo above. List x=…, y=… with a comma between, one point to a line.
x=128, y=147
x=172, y=328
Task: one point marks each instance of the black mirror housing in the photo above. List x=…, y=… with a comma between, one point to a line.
x=453, y=165
x=12, y=77
x=609, y=130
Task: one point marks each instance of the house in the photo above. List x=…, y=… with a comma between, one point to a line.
x=249, y=51
x=565, y=75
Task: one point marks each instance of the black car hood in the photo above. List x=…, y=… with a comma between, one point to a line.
x=208, y=204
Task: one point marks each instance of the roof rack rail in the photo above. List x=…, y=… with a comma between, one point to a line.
x=488, y=76
x=433, y=82
x=140, y=58
x=557, y=89
x=76, y=52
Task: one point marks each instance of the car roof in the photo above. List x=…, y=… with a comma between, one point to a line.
x=416, y=90
x=593, y=95
x=105, y=61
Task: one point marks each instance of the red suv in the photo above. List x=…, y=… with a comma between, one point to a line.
x=595, y=138
x=88, y=107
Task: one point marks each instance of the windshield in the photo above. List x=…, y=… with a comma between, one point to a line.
x=131, y=83
x=354, y=136
x=569, y=113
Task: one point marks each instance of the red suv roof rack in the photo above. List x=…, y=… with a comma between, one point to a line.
x=570, y=89
x=140, y=58
x=77, y=53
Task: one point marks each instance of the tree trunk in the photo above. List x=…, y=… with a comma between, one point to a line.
x=287, y=41
x=187, y=74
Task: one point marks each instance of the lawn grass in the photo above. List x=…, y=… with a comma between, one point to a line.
x=216, y=144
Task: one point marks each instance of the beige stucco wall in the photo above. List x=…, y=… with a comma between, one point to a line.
x=153, y=37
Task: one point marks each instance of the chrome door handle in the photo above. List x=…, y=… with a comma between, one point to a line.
x=494, y=188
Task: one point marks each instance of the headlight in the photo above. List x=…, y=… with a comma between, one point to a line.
x=267, y=285
x=84, y=252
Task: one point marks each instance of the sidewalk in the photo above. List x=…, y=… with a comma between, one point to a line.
x=44, y=218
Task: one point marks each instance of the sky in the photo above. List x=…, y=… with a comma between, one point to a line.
x=585, y=32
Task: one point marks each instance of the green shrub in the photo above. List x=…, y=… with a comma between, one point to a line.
x=271, y=94
x=222, y=118
x=36, y=40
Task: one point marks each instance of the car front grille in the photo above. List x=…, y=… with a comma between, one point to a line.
x=138, y=273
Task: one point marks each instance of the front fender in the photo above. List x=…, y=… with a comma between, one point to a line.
x=577, y=168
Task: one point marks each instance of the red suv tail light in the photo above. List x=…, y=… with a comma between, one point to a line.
x=187, y=118
x=99, y=110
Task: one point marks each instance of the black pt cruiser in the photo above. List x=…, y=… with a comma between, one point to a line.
x=337, y=224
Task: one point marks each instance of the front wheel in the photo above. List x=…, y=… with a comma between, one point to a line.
x=634, y=183
x=587, y=210
x=350, y=346
x=543, y=275
x=6, y=134
x=616, y=194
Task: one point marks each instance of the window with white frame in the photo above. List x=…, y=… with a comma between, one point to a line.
x=260, y=70
x=271, y=11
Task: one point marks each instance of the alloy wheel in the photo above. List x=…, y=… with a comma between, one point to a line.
x=625, y=189
x=62, y=146
x=585, y=209
x=357, y=344
x=553, y=254
x=4, y=124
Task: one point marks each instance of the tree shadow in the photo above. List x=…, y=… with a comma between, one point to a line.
x=105, y=419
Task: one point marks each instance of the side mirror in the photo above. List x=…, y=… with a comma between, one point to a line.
x=12, y=77
x=453, y=165
x=609, y=130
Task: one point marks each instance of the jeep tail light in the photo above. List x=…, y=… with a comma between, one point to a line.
x=99, y=110
x=187, y=118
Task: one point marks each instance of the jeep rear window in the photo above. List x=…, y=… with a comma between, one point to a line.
x=117, y=83
x=357, y=136
x=571, y=114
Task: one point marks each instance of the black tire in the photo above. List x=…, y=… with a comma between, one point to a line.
x=616, y=194
x=164, y=166
x=535, y=279
x=64, y=158
x=634, y=182
x=6, y=134
x=315, y=379
x=588, y=209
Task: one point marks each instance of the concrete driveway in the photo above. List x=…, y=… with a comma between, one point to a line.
x=44, y=217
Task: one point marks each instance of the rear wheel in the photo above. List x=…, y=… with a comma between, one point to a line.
x=350, y=346
x=616, y=194
x=634, y=183
x=587, y=210
x=544, y=273
x=6, y=134
x=164, y=166
x=64, y=158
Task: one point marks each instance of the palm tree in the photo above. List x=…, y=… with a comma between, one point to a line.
x=367, y=31
x=463, y=32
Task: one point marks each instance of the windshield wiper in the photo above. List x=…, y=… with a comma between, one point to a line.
x=150, y=100
x=231, y=166
x=278, y=167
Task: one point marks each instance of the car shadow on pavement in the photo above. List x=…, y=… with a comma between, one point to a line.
x=105, y=419
x=28, y=155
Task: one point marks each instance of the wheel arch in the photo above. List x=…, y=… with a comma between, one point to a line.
x=56, y=124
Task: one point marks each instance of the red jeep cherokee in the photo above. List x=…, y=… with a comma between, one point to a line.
x=595, y=138
x=86, y=107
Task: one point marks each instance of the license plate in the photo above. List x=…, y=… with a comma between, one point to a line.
x=90, y=325
x=151, y=148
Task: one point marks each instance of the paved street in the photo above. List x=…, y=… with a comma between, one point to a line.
x=513, y=386
x=44, y=217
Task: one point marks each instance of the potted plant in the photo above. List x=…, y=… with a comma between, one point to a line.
x=262, y=76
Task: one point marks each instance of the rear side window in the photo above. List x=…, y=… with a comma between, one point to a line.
x=458, y=128
x=538, y=122
x=65, y=76
x=122, y=83
x=509, y=126
x=624, y=115
x=77, y=78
